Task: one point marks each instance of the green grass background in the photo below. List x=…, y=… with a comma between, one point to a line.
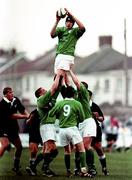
x=119, y=165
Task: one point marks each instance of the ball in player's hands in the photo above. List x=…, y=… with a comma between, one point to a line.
x=61, y=13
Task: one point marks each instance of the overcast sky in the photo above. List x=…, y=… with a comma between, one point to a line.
x=26, y=24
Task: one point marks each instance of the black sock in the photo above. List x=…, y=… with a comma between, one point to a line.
x=32, y=162
x=39, y=158
x=16, y=163
x=47, y=160
x=77, y=160
x=54, y=153
x=67, y=161
x=103, y=162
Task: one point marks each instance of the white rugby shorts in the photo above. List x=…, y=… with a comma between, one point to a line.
x=63, y=62
x=48, y=132
x=88, y=128
x=68, y=135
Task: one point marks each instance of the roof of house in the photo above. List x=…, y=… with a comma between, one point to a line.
x=106, y=58
x=43, y=63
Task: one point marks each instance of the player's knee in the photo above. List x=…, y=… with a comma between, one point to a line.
x=87, y=146
x=33, y=148
x=97, y=146
x=109, y=145
x=2, y=149
x=34, y=151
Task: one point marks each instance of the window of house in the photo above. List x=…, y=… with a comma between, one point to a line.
x=106, y=86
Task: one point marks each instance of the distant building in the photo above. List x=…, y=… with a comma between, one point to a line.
x=104, y=70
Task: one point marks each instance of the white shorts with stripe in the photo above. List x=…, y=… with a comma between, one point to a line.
x=68, y=135
x=63, y=62
x=88, y=128
x=48, y=132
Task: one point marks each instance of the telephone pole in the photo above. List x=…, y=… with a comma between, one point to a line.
x=126, y=64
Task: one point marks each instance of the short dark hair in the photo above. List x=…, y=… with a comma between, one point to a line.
x=37, y=92
x=6, y=90
x=69, y=92
x=90, y=93
x=63, y=91
x=85, y=84
x=70, y=18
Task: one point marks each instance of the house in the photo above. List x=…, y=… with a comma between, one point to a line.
x=106, y=73
x=103, y=70
x=26, y=76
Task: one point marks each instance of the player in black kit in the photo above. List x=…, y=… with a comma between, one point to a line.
x=11, y=109
x=96, y=142
x=34, y=140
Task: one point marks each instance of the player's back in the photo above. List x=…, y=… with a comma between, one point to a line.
x=69, y=111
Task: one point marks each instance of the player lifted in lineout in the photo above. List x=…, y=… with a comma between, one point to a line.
x=67, y=40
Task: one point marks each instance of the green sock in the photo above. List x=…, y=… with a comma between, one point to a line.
x=82, y=159
x=90, y=159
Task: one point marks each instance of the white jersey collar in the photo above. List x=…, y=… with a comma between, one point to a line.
x=69, y=98
x=5, y=99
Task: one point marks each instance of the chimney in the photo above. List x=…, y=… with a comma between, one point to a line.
x=105, y=40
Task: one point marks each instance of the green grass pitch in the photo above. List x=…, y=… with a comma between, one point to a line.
x=119, y=165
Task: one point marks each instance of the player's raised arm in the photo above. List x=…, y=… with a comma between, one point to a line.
x=79, y=23
x=75, y=79
x=53, y=30
x=57, y=83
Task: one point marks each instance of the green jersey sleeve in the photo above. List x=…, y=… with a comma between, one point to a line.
x=43, y=100
x=54, y=111
x=79, y=32
x=59, y=31
x=81, y=115
x=83, y=98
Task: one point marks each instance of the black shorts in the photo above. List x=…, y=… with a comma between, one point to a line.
x=2, y=134
x=111, y=137
x=12, y=136
x=35, y=138
x=98, y=137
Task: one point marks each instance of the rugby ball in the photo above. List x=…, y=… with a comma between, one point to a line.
x=61, y=13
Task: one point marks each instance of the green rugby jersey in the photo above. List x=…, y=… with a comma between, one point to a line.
x=69, y=112
x=83, y=98
x=67, y=40
x=42, y=106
